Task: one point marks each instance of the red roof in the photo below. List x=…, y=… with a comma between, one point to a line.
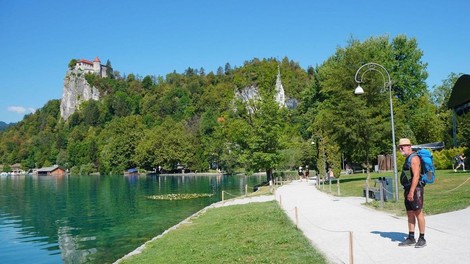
x=86, y=61
x=97, y=59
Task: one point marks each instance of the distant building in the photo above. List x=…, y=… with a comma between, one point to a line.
x=92, y=67
x=280, y=95
x=251, y=93
x=51, y=171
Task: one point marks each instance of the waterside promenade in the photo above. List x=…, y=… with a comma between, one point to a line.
x=330, y=222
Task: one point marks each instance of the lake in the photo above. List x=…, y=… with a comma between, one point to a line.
x=98, y=219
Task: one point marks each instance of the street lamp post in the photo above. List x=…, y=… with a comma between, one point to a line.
x=372, y=66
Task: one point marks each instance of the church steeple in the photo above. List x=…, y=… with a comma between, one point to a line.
x=280, y=95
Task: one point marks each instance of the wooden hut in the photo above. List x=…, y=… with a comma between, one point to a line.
x=51, y=171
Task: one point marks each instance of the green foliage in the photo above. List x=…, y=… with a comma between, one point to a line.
x=72, y=63
x=109, y=70
x=91, y=113
x=360, y=125
x=147, y=82
x=86, y=169
x=118, y=141
x=6, y=168
x=167, y=145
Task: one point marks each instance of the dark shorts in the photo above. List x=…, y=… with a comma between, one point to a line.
x=418, y=199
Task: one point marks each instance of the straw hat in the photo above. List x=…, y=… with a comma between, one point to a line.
x=404, y=141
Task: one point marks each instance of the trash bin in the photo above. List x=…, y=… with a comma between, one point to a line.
x=387, y=188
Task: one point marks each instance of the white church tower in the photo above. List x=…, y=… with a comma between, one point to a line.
x=280, y=95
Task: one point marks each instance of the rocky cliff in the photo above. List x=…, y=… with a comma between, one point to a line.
x=76, y=90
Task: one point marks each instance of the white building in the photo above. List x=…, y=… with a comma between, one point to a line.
x=251, y=94
x=280, y=96
x=92, y=67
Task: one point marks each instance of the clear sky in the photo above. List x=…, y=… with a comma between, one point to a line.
x=39, y=38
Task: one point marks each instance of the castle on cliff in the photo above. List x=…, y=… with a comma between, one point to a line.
x=93, y=67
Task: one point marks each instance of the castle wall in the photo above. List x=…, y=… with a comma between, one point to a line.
x=94, y=67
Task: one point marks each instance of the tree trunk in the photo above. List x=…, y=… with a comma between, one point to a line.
x=269, y=174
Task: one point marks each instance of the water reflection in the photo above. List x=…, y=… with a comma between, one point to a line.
x=96, y=219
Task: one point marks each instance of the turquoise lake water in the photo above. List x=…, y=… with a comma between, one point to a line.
x=97, y=219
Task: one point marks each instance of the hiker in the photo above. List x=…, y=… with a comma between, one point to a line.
x=331, y=174
x=300, y=173
x=460, y=162
x=414, y=194
x=307, y=172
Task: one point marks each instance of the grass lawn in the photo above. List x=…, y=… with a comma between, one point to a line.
x=450, y=191
x=251, y=233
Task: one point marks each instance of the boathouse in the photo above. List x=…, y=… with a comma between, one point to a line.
x=51, y=171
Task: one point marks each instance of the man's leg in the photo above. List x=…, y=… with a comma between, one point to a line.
x=411, y=220
x=410, y=240
x=421, y=226
x=421, y=222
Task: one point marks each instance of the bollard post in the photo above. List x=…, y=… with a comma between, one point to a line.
x=246, y=189
x=329, y=184
x=222, y=195
x=351, y=256
x=367, y=191
x=381, y=194
x=337, y=184
x=296, y=218
x=280, y=200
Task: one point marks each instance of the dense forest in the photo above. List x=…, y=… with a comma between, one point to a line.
x=193, y=119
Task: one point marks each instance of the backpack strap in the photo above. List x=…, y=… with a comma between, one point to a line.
x=421, y=166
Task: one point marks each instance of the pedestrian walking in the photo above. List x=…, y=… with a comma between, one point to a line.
x=460, y=162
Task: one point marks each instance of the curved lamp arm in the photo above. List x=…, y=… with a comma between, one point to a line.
x=372, y=66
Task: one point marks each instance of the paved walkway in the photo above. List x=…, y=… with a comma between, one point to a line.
x=327, y=221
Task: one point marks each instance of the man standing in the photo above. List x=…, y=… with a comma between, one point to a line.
x=414, y=194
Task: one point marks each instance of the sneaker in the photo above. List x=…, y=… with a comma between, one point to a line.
x=455, y=170
x=408, y=242
x=421, y=243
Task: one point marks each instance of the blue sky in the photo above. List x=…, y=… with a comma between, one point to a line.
x=39, y=38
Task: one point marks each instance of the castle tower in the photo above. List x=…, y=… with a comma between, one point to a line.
x=97, y=66
x=280, y=95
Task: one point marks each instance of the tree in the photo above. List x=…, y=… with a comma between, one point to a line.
x=109, y=70
x=339, y=110
x=256, y=134
x=440, y=96
x=91, y=113
x=118, y=143
x=72, y=63
x=158, y=147
x=147, y=82
x=264, y=141
x=220, y=71
x=228, y=68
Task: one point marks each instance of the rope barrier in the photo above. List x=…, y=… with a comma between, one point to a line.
x=322, y=228
x=296, y=216
x=363, y=249
x=458, y=186
x=230, y=193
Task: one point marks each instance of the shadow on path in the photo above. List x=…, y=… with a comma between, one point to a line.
x=393, y=236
